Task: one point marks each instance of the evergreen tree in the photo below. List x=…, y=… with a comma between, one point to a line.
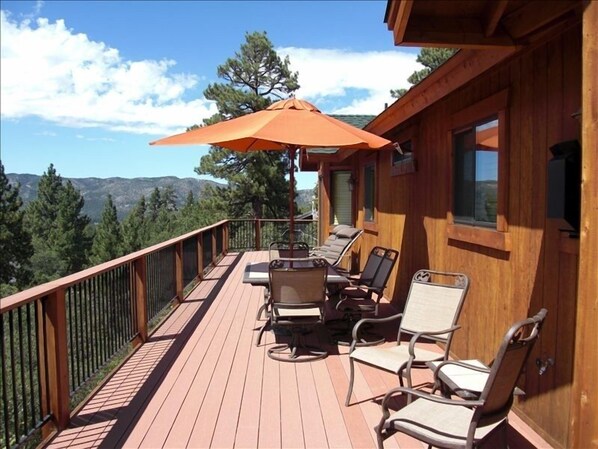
x=431, y=59
x=256, y=180
x=135, y=228
x=108, y=240
x=59, y=229
x=15, y=242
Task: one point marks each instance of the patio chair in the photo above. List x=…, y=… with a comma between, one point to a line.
x=338, y=244
x=297, y=295
x=431, y=312
x=279, y=250
x=357, y=299
x=282, y=250
x=457, y=423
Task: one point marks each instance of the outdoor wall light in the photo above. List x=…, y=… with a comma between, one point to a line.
x=352, y=182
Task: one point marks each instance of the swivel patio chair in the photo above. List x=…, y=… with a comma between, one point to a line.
x=457, y=423
x=297, y=295
x=431, y=312
x=358, y=299
x=278, y=250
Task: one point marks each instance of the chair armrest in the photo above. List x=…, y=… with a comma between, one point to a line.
x=423, y=395
x=360, y=323
x=418, y=335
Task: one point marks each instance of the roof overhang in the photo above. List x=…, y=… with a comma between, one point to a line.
x=472, y=23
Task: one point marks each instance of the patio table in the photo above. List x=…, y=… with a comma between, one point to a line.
x=256, y=273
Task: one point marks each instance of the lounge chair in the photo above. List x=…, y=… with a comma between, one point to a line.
x=337, y=244
x=433, y=306
x=458, y=423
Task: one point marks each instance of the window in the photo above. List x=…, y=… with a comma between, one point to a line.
x=341, y=211
x=475, y=189
x=369, y=181
x=480, y=174
x=402, y=161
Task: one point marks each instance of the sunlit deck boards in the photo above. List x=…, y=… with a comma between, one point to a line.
x=201, y=382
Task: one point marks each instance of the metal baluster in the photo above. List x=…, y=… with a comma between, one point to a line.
x=22, y=369
x=3, y=369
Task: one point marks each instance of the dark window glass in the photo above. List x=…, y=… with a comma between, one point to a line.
x=475, y=180
x=403, y=152
x=369, y=194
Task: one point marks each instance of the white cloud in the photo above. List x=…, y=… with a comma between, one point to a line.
x=49, y=71
x=330, y=74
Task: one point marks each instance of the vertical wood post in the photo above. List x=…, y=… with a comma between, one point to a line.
x=225, y=237
x=198, y=240
x=140, y=279
x=258, y=238
x=584, y=392
x=57, y=358
x=178, y=270
x=214, y=254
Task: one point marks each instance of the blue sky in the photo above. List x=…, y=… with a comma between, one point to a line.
x=87, y=85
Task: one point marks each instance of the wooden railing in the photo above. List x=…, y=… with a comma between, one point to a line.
x=59, y=335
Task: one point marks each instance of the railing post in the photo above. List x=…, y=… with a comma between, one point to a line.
x=258, y=237
x=213, y=236
x=178, y=270
x=225, y=238
x=54, y=321
x=140, y=279
x=198, y=240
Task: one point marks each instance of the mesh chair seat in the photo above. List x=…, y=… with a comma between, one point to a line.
x=393, y=358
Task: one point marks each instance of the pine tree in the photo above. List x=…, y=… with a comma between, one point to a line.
x=108, y=240
x=15, y=241
x=58, y=227
x=256, y=180
x=431, y=58
x=135, y=228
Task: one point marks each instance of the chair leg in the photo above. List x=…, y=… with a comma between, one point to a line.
x=351, y=379
x=262, y=330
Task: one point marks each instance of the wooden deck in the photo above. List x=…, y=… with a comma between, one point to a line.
x=201, y=382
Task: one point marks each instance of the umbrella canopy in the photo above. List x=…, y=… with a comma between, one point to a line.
x=285, y=125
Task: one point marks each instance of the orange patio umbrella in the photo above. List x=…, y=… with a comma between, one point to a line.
x=285, y=125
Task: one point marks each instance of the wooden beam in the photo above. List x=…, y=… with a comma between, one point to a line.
x=460, y=32
x=402, y=19
x=494, y=11
x=584, y=392
x=451, y=75
x=534, y=15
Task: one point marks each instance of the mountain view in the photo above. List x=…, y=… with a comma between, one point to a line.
x=126, y=192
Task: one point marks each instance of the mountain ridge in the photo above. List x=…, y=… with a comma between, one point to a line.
x=125, y=192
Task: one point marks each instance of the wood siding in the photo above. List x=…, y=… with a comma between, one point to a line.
x=540, y=270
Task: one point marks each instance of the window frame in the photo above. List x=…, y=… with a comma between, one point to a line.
x=499, y=237
x=370, y=225
x=409, y=165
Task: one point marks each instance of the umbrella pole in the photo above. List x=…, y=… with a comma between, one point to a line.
x=292, y=149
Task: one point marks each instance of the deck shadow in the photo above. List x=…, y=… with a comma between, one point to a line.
x=125, y=417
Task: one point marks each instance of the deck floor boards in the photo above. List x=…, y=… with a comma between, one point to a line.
x=200, y=381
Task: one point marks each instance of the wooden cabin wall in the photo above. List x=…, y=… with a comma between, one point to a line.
x=541, y=269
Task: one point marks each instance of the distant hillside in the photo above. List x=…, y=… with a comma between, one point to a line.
x=125, y=192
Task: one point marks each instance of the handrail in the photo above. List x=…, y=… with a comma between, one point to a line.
x=33, y=293
x=76, y=324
